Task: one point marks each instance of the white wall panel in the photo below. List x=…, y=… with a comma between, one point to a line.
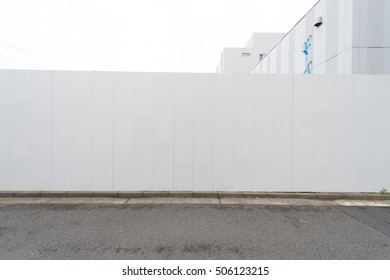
x=265, y=66
x=203, y=131
x=5, y=103
x=356, y=61
x=331, y=66
x=322, y=131
x=341, y=134
x=41, y=101
x=320, y=69
x=380, y=160
x=309, y=22
x=20, y=141
x=273, y=59
x=299, y=61
x=291, y=58
x=163, y=130
x=345, y=29
x=376, y=61
x=386, y=24
x=269, y=58
x=332, y=28
x=272, y=138
x=262, y=133
x=299, y=39
x=242, y=133
x=363, y=25
x=341, y=62
x=348, y=62
x=313, y=140
x=62, y=108
x=348, y=21
x=355, y=24
x=278, y=59
x=143, y=108
x=363, y=60
x=300, y=34
x=123, y=131
x=302, y=133
x=320, y=34
x=282, y=131
x=223, y=132
x=386, y=60
x=103, y=119
x=361, y=132
x=184, y=132
x=376, y=23
x=285, y=51
x=82, y=123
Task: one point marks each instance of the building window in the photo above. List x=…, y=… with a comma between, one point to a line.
x=245, y=54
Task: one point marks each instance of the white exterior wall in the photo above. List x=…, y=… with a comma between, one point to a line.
x=232, y=60
x=354, y=39
x=104, y=131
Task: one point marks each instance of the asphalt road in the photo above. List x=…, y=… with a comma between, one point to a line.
x=193, y=232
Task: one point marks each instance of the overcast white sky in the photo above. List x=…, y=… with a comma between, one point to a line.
x=135, y=35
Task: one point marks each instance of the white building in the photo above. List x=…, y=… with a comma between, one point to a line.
x=346, y=36
x=243, y=60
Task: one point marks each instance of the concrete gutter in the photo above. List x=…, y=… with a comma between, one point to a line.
x=189, y=194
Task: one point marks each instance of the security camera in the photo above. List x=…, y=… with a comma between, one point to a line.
x=318, y=22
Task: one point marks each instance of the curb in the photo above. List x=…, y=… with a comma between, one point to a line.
x=189, y=194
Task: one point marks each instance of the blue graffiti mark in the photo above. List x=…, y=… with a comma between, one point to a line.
x=305, y=50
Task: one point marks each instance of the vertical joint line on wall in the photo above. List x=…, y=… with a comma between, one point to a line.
x=29, y=179
x=72, y=136
x=93, y=127
x=213, y=137
x=9, y=126
x=333, y=83
x=51, y=130
x=154, y=129
x=252, y=83
x=173, y=131
x=292, y=131
x=193, y=132
x=232, y=89
x=113, y=132
x=132, y=130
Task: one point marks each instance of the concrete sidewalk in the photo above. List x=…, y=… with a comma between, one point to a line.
x=195, y=201
x=198, y=194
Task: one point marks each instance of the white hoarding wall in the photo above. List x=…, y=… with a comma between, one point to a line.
x=105, y=131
